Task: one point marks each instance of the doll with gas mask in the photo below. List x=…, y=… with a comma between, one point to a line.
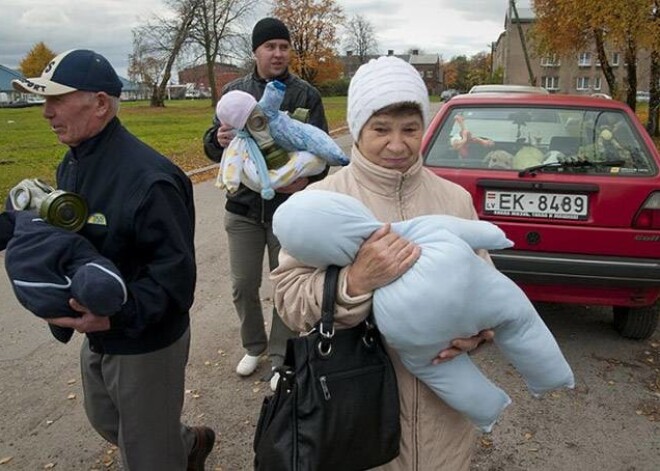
x=48, y=263
x=271, y=149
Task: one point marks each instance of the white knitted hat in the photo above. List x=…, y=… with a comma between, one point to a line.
x=382, y=82
x=234, y=108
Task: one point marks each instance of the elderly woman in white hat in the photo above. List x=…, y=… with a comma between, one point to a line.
x=388, y=110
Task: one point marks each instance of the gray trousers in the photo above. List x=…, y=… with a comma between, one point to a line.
x=248, y=240
x=135, y=402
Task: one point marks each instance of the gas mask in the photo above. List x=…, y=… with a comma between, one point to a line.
x=257, y=126
x=57, y=207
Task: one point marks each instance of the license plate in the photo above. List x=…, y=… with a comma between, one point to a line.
x=536, y=205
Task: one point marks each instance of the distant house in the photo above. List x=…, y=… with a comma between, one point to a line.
x=352, y=62
x=131, y=91
x=198, y=76
x=7, y=92
x=428, y=66
x=430, y=69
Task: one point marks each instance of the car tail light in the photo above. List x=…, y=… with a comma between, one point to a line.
x=649, y=216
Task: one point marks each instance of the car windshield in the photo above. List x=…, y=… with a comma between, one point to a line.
x=508, y=138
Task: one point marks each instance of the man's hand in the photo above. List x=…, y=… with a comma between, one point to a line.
x=87, y=322
x=296, y=185
x=225, y=135
x=382, y=258
x=464, y=345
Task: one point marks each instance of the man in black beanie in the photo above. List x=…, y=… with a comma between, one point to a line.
x=248, y=217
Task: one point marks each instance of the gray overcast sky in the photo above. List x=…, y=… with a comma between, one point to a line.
x=446, y=27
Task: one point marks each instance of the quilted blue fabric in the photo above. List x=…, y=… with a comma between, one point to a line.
x=293, y=135
x=449, y=293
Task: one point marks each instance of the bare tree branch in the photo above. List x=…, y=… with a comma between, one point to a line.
x=360, y=38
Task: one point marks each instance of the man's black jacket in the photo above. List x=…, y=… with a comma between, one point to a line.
x=142, y=218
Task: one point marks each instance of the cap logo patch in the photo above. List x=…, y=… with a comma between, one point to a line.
x=48, y=67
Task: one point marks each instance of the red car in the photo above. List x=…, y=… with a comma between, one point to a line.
x=574, y=182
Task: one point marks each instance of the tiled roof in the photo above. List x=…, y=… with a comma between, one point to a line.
x=6, y=76
x=420, y=59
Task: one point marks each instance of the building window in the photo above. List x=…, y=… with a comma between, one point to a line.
x=615, y=59
x=582, y=83
x=429, y=74
x=597, y=83
x=550, y=83
x=550, y=61
x=584, y=59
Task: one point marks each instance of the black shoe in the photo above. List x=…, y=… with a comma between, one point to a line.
x=204, y=441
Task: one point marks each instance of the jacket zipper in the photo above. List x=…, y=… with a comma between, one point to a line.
x=263, y=211
x=415, y=447
x=399, y=192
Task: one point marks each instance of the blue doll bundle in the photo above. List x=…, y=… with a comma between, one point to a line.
x=309, y=148
x=449, y=293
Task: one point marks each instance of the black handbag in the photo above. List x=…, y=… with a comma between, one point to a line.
x=336, y=406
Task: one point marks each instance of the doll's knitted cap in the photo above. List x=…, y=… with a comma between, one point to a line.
x=234, y=108
x=383, y=82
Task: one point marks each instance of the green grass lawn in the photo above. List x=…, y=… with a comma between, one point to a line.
x=28, y=148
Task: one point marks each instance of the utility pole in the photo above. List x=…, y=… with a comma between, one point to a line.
x=532, y=79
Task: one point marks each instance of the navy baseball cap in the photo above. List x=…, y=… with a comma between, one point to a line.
x=77, y=69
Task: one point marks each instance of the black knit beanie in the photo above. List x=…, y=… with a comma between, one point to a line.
x=267, y=29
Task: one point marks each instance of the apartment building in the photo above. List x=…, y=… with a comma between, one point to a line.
x=579, y=74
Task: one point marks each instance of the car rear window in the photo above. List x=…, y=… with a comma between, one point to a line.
x=507, y=138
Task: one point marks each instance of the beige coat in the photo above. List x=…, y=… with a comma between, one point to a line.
x=433, y=436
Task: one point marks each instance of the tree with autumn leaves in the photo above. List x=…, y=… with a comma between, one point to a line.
x=314, y=36
x=36, y=60
x=565, y=27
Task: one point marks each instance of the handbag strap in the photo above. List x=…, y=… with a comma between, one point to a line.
x=326, y=327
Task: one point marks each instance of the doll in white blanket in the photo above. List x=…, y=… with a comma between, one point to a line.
x=450, y=292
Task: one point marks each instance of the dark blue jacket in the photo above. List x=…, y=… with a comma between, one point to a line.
x=142, y=218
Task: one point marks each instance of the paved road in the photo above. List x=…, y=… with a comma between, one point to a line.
x=611, y=421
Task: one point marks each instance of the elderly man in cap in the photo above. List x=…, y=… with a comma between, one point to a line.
x=142, y=219
x=247, y=216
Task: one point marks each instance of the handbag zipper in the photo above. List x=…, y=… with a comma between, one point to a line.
x=324, y=387
x=345, y=374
